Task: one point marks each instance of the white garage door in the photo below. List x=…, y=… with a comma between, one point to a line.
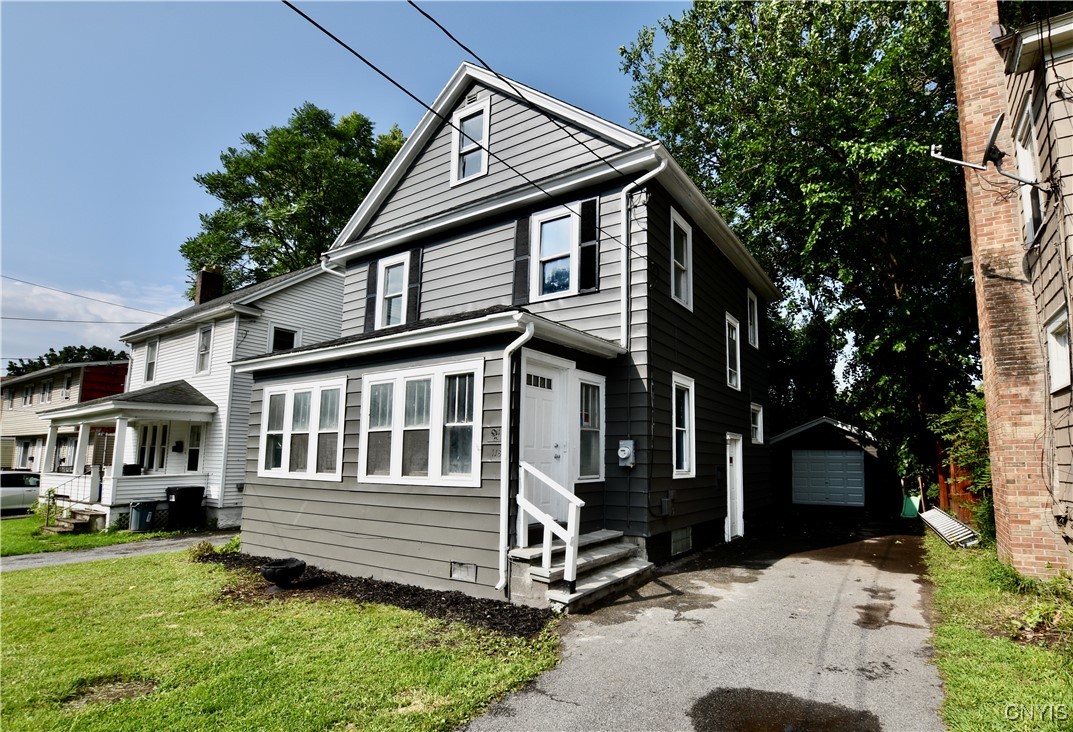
x=829, y=477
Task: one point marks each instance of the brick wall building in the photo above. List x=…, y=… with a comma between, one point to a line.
x=1021, y=267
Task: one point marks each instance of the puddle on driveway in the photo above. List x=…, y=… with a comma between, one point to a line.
x=752, y=710
x=876, y=615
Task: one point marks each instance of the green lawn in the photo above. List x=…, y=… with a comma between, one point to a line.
x=215, y=664
x=22, y=536
x=991, y=681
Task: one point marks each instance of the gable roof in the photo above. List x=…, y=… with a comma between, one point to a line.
x=641, y=155
x=58, y=368
x=241, y=301
x=847, y=428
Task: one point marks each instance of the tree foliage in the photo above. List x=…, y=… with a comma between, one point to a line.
x=808, y=126
x=286, y=194
x=962, y=431
x=67, y=354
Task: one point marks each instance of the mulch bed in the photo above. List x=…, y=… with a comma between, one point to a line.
x=502, y=617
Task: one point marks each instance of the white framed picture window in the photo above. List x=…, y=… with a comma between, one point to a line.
x=554, y=237
x=301, y=430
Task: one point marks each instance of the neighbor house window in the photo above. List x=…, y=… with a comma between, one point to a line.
x=591, y=421
x=756, y=423
x=150, y=361
x=283, y=339
x=46, y=392
x=754, y=319
x=193, y=448
x=392, y=278
x=9, y=398
x=681, y=260
x=733, y=354
x=469, y=141
x=422, y=426
x=27, y=396
x=683, y=451
x=1028, y=168
x=204, y=348
x=68, y=380
x=153, y=446
x=554, y=264
x=1058, y=350
x=300, y=430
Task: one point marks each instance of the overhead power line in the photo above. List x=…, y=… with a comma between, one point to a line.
x=67, y=320
x=84, y=297
x=452, y=125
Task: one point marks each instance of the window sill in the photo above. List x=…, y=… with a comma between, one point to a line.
x=471, y=482
x=678, y=475
x=322, y=477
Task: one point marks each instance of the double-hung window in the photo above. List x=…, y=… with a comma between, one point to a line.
x=1028, y=168
x=301, y=427
x=469, y=141
x=27, y=396
x=756, y=423
x=150, y=361
x=591, y=429
x=753, y=315
x=554, y=264
x=67, y=381
x=193, y=448
x=1058, y=350
x=681, y=260
x=283, y=339
x=422, y=426
x=153, y=446
x=204, y=348
x=9, y=398
x=684, y=449
x=392, y=277
x=733, y=354
x=46, y=392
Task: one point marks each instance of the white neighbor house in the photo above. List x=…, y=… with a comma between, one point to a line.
x=184, y=415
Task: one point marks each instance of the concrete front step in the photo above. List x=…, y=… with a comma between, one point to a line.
x=535, y=552
x=588, y=559
x=591, y=587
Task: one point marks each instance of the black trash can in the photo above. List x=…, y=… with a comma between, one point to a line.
x=184, y=507
x=141, y=515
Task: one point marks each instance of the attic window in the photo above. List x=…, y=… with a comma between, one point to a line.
x=469, y=142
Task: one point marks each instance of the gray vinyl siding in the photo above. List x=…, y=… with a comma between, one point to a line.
x=693, y=344
x=534, y=145
x=474, y=270
x=401, y=533
x=1050, y=275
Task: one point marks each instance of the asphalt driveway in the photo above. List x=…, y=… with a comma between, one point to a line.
x=823, y=628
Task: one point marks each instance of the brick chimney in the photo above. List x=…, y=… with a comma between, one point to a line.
x=1013, y=366
x=209, y=285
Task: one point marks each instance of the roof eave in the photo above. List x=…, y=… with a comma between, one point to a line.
x=205, y=316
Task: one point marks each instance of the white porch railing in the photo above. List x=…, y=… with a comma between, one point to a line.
x=570, y=534
x=84, y=488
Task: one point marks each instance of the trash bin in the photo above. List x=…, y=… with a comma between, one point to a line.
x=184, y=507
x=141, y=515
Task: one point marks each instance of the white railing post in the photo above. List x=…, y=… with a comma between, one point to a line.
x=570, y=535
x=573, y=523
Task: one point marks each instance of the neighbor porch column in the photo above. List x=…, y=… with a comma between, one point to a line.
x=120, y=446
x=78, y=466
x=48, y=462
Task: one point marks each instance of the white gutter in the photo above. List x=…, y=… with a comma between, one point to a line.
x=504, y=455
x=624, y=199
x=324, y=266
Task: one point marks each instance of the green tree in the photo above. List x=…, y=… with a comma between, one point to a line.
x=808, y=126
x=67, y=354
x=962, y=430
x=286, y=194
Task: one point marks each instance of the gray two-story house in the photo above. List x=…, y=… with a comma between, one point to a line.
x=552, y=368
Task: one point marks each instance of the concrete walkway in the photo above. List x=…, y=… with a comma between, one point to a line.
x=116, y=551
x=819, y=632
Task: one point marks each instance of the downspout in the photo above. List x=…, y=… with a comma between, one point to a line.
x=324, y=267
x=624, y=199
x=504, y=455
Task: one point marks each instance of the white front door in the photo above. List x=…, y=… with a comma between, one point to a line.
x=735, y=520
x=545, y=436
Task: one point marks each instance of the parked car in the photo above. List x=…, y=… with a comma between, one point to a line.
x=19, y=489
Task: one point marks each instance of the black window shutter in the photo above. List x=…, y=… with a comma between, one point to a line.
x=589, y=249
x=413, y=287
x=521, y=263
x=370, y=297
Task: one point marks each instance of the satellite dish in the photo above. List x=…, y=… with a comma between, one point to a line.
x=997, y=155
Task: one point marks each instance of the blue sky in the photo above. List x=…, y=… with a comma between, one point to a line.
x=108, y=110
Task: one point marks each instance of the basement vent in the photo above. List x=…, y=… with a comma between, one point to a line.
x=463, y=572
x=681, y=540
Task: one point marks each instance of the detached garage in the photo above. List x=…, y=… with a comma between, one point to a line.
x=828, y=463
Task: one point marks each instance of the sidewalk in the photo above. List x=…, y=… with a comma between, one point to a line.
x=116, y=551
